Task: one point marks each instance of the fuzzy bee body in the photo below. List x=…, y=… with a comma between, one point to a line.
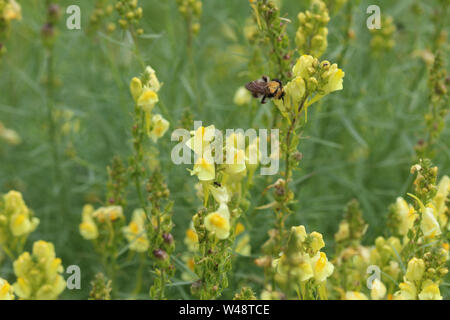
x=266, y=88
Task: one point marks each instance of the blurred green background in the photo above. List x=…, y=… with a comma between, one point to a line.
x=358, y=143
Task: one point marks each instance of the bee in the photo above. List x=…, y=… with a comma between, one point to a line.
x=266, y=88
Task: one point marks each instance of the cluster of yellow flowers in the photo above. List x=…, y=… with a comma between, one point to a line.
x=228, y=172
x=9, y=135
x=192, y=12
x=145, y=95
x=16, y=223
x=311, y=36
x=418, y=244
x=102, y=219
x=9, y=10
x=312, y=79
x=383, y=39
x=39, y=274
x=301, y=268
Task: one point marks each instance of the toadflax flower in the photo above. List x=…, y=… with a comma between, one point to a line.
x=407, y=291
x=322, y=268
x=135, y=232
x=39, y=274
x=12, y=11
x=158, y=127
x=429, y=224
x=430, y=291
x=406, y=214
x=218, y=222
x=6, y=290
x=378, y=290
x=204, y=169
x=415, y=270
x=88, y=228
x=355, y=295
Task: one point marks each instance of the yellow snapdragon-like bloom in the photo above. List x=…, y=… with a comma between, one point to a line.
x=406, y=214
x=252, y=155
x=235, y=161
x=201, y=139
x=440, y=200
x=153, y=82
x=378, y=290
x=407, y=291
x=112, y=213
x=39, y=275
x=159, y=126
x=243, y=245
x=321, y=266
x=335, y=79
x=191, y=239
x=415, y=270
x=135, y=232
x=88, y=227
x=136, y=88
x=355, y=295
x=343, y=231
x=317, y=242
x=147, y=100
x=218, y=222
x=6, y=290
x=242, y=97
x=429, y=224
x=204, y=169
x=430, y=291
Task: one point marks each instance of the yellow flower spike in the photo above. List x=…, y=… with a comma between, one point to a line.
x=88, y=230
x=6, y=290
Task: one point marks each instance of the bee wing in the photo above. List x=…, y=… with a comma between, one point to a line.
x=257, y=88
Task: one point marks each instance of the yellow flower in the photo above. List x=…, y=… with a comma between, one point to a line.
x=301, y=67
x=429, y=225
x=204, y=170
x=300, y=233
x=243, y=245
x=321, y=266
x=10, y=136
x=136, y=88
x=430, y=291
x=220, y=194
x=135, y=232
x=407, y=291
x=39, y=274
x=88, y=228
x=334, y=77
x=355, y=295
x=343, y=232
x=407, y=215
x=242, y=97
x=191, y=239
x=147, y=100
x=153, y=82
x=114, y=213
x=235, y=161
x=415, y=270
x=201, y=139
x=218, y=222
x=316, y=241
x=378, y=290
x=159, y=127
x=12, y=11
x=440, y=200
x=6, y=290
